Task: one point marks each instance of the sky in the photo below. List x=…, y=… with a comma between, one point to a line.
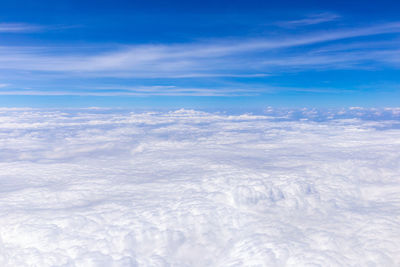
x=199, y=54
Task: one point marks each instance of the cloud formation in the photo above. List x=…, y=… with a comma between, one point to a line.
x=19, y=28
x=192, y=59
x=214, y=67
x=310, y=20
x=97, y=187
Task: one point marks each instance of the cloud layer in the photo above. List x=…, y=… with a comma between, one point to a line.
x=63, y=69
x=196, y=59
x=187, y=188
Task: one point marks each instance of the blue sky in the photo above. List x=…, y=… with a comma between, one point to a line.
x=199, y=54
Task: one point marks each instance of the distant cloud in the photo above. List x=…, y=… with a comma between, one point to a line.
x=29, y=28
x=141, y=91
x=249, y=58
x=19, y=28
x=310, y=20
x=218, y=59
x=189, y=56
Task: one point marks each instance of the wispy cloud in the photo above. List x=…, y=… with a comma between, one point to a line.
x=310, y=20
x=217, y=59
x=208, y=59
x=19, y=28
x=160, y=90
x=181, y=92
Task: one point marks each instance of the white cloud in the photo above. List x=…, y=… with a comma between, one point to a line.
x=221, y=58
x=144, y=91
x=19, y=28
x=310, y=20
x=101, y=187
x=141, y=91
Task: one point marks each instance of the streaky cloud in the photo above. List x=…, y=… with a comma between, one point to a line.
x=19, y=28
x=177, y=60
x=310, y=20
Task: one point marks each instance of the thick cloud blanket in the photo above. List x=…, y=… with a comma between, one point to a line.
x=187, y=188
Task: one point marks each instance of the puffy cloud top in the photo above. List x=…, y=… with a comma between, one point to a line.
x=188, y=188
